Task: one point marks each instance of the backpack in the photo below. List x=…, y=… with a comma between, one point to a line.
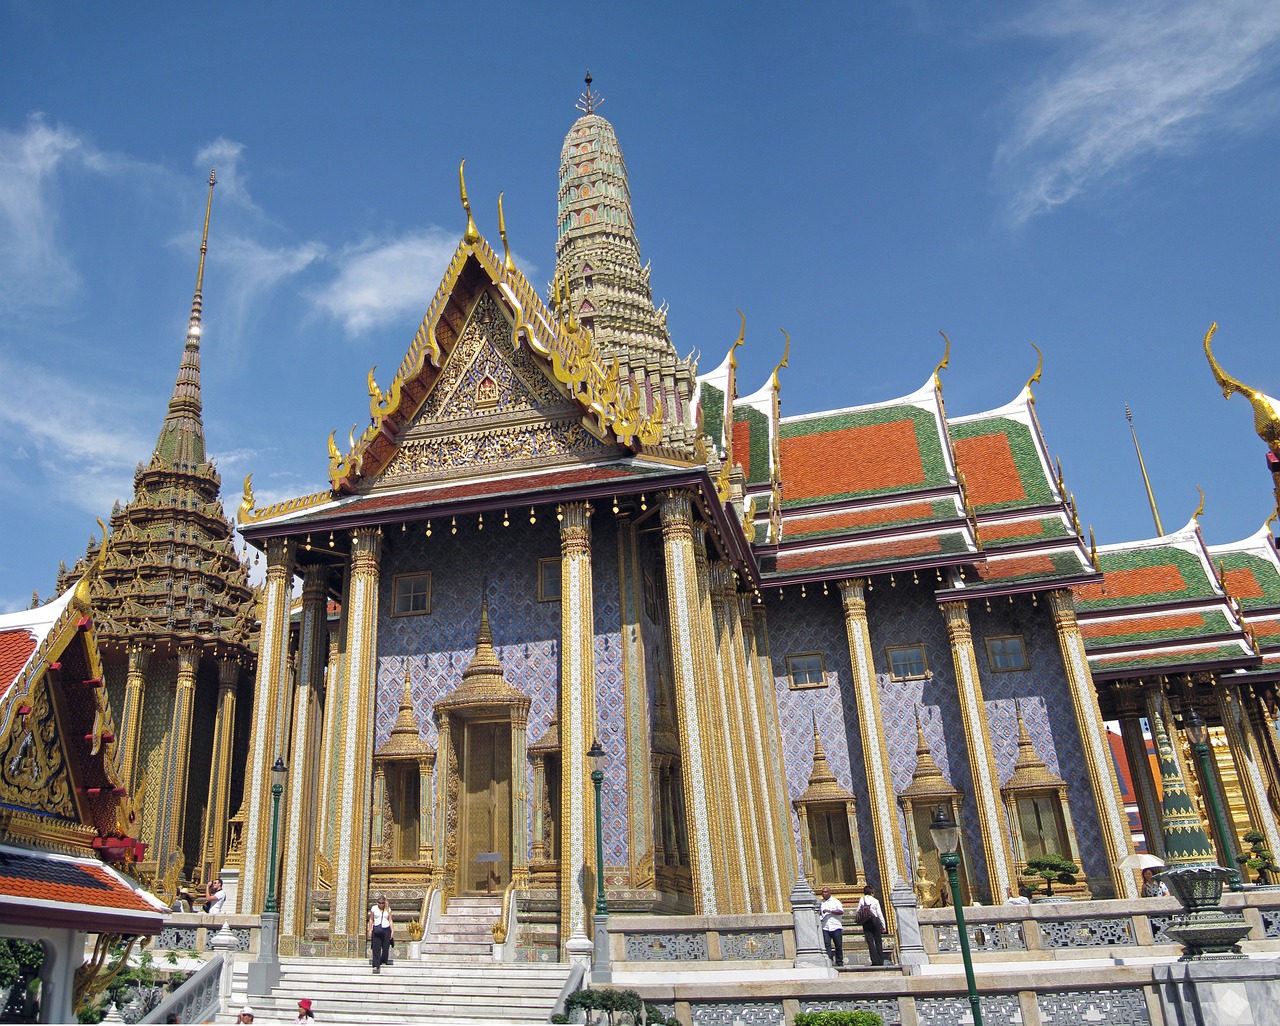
x=863, y=913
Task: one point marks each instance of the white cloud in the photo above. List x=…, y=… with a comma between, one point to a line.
x=382, y=281
x=87, y=450
x=254, y=270
x=1131, y=80
x=223, y=156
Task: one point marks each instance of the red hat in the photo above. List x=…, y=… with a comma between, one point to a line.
x=305, y=1004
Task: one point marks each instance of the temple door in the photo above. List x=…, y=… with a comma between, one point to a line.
x=484, y=823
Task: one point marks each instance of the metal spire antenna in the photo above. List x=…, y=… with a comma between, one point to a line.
x=204, y=241
x=1155, y=513
x=589, y=101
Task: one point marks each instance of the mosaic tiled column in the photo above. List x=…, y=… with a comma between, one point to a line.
x=686, y=638
x=982, y=764
x=755, y=754
x=577, y=717
x=131, y=716
x=740, y=814
x=331, y=729
x=636, y=691
x=426, y=805
x=519, y=797
x=273, y=670
x=883, y=808
x=715, y=728
x=1103, y=783
x=1247, y=754
x=442, y=877
x=172, y=810
x=1129, y=704
x=1185, y=841
x=1157, y=707
x=756, y=634
x=351, y=833
x=224, y=735
x=300, y=807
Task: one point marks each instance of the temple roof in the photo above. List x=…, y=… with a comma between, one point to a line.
x=404, y=741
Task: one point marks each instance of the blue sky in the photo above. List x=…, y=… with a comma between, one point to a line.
x=1098, y=178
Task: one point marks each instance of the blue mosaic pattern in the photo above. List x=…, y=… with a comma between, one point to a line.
x=526, y=632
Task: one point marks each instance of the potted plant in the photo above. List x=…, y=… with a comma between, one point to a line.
x=1052, y=868
x=1259, y=858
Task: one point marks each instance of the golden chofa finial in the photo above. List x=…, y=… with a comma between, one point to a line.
x=471, y=236
x=1035, y=378
x=1199, y=509
x=1266, y=411
x=1275, y=515
x=508, y=264
x=946, y=359
x=571, y=322
x=786, y=355
x=742, y=335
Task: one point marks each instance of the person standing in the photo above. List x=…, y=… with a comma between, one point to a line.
x=1013, y=898
x=832, y=913
x=379, y=929
x=870, y=916
x=1151, y=887
x=214, y=897
x=305, y=1018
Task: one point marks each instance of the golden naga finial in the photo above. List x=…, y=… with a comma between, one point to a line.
x=1039, y=367
x=742, y=335
x=1266, y=411
x=508, y=264
x=1275, y=515
x=471, y=235
x=571, y=322
x=246, y=501
x=333, y=448
x=1093, y=550
x=786, y=355
x=946, y=359
x=375, y=393
x=1200, y=508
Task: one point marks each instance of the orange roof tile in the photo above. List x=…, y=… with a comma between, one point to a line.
x=40, y=877
x=859, y=518
x=742, y=443
x=1242, y=583
x=990, y=474
x=1138, y=624
x=1152, y=580
x=1014, y=529
x=16, y=647
x=851, y=460
x=917, y=546
x=1022, y=566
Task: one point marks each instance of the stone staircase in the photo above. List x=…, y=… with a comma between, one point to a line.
x=464, y=933
x=454, y=993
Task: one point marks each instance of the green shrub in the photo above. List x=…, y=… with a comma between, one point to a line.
x=559, y=1017
x=620, y=1007
x=858, y=1017
x=1052, y=869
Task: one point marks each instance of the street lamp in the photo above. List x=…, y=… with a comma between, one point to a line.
x=597, y=755
x=946, y=838
x=1198, y=731
x=278, y=772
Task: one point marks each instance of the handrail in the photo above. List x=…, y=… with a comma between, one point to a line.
x=501, y=927
x=199, y=998
x=572, y=984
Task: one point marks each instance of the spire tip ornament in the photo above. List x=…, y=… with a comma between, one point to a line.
x=589, y=101
x=471, y=236
x=946, y=359
x=1035, y=378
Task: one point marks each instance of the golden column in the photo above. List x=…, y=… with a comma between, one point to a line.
x=639, y=796
x=875, y=754
x=131, y=717
x=172, y=809
x=1131, y=707
x=1247, y=754
x=300, y=808
x=273, y=670
x=706, y=859
x=351, y=829
x=982, y=764
x=224, y=735
x=446, y=862
x=332, y=729
x=1103, y=783
x=577, y=719
x=756, y=628
x=758, y=767
x=741, y=814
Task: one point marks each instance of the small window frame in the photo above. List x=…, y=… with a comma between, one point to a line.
x=993, y=660
x=889, y=650
x=807, y=685
x=396, y=584
x=544, y=591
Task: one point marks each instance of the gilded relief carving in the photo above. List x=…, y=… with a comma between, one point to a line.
x=33, y=770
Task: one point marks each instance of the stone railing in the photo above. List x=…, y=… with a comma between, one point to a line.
x=192, y=932
x=197, y=1000
x=700, y=941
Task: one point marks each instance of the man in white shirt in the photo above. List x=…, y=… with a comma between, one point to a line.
x=1012, y=897
x=215, y=897
x=831, y=913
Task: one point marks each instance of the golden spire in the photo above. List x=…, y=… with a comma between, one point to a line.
x=404, y=740
x=1155, y=513
x=471, y=236
x=204, y=248
x=1029, y=770
x=1039, y=367
x=823, y=785
x=927, y=779
x=786, y=355
x=946, y=359
x=508, y=264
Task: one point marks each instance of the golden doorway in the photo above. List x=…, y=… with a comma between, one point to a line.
x=484, y=822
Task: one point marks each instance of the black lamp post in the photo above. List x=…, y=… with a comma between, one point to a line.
x=1198, y=731
x=946, y=838
x=597, y=755
x=278, y=773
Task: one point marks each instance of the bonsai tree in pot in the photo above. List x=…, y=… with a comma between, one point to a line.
x=1259, y=858
x=1052, y=868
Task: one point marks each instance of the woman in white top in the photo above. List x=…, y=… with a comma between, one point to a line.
x=380, y=927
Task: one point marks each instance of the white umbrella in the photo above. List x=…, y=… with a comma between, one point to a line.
x=1141, y=860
